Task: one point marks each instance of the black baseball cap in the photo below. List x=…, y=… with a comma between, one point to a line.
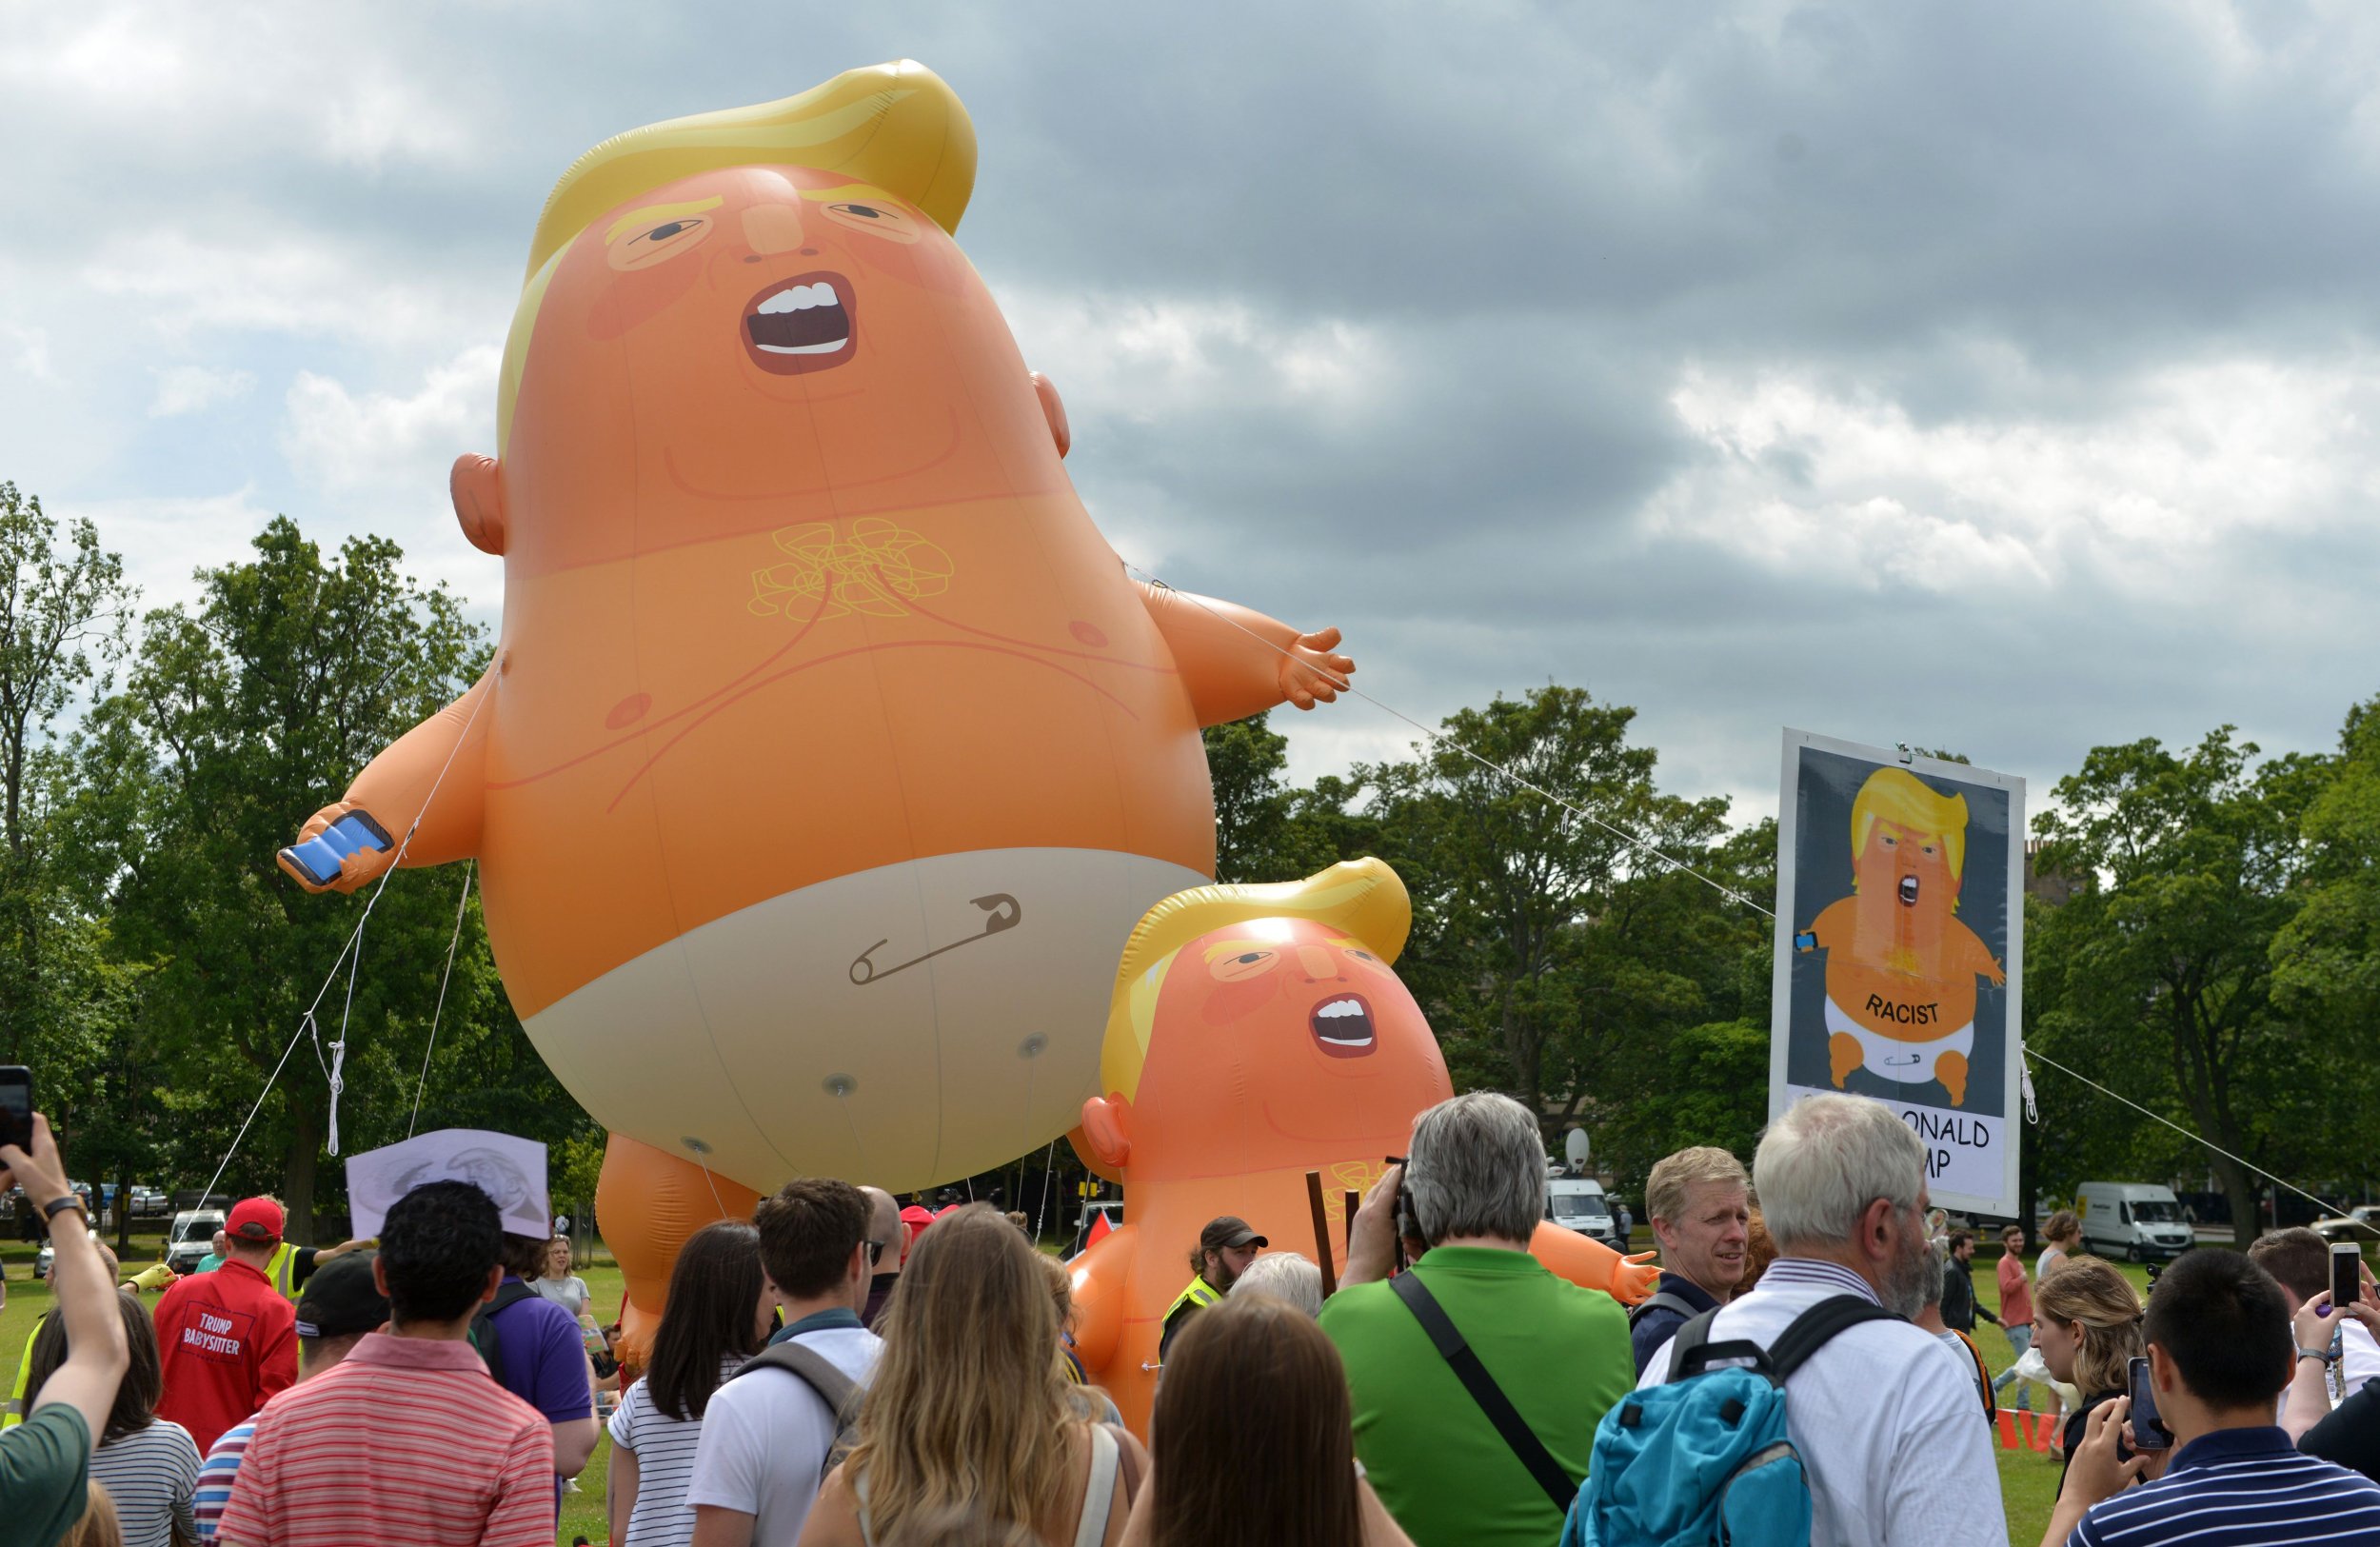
x=1229, y=1230
x=340, y=1298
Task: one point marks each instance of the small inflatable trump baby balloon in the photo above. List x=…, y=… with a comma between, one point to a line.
x=1258, y=1033
x=1900, y=967
x=829, y=755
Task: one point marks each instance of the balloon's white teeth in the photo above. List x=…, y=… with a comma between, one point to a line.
x=1339, y=1007
x=798, y=298
x=828, y=348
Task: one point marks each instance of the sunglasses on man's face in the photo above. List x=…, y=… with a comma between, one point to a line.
x=875, y=1252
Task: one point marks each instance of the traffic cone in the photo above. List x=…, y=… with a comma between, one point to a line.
x=2007, y=1430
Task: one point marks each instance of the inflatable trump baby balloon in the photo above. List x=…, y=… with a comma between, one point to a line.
x=1258, y=1033
x=829, y=755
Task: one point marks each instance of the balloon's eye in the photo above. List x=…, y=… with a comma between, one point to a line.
x=1231, y=969
x=1363, y=956
x=1251, y=959
x=862, y=210
x=665, y=231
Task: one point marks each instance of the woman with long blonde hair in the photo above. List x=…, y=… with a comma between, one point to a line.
x=968, y=1411
x=2086, y=1324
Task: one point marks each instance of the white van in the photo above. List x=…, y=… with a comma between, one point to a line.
x=1577, y=1204
x=2134, y=1219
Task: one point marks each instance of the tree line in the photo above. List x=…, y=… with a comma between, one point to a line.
x=2206, y=938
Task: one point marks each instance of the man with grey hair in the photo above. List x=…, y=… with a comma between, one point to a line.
x=1883, y=1417
x=1699, y=1201
x=1291, y=1277
x=1477, y=1377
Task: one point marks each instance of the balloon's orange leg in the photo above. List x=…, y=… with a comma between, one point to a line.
x=1950, y=1068
x=1844, y=1054
x=648, y=1202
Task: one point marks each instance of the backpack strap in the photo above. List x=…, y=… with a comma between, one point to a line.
x=836, y=1389
x=1455, y=1351
x=485, y=1337
x=1813, y=1328
x=1662, y=1302
x=1098, y=1488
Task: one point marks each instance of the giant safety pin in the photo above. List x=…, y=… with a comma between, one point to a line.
x=1006, y=914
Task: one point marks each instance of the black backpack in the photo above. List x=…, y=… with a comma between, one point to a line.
x=483, y=1335
x=1662, y=1302
x=837, y=1390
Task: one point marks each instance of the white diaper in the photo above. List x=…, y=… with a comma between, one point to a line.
x=1912, y=1064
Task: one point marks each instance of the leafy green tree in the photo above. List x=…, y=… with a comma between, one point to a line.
x=2157, y=977
x=63, y=608
x=241, y=715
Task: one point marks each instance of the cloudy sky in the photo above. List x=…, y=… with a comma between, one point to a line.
x=1998, y=378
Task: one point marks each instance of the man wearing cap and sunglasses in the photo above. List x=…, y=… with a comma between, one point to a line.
x=1225, y=1248
x=342, y=1303
x=227, y=1341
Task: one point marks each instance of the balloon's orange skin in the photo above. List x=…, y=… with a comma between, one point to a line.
x=1240, y=1097
x=771, y=620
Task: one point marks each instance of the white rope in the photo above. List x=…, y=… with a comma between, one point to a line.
x=2283, y=1181
x=305, y=1022
x=469, y=867
x=1042, y=1218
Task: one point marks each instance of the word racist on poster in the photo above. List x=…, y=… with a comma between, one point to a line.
x=1899, y=935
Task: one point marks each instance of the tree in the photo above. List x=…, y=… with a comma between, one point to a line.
x=1509, y=885
x=63, y=608
x=241, y=716
x=2157, y=977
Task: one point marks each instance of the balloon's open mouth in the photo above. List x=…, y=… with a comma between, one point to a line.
x=1909, y=891
x=801, y=323
x=1342, y=1026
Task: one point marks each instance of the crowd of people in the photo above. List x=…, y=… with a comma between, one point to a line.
x=838, y=1372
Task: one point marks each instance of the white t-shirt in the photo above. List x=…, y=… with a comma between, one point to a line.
x=1883, y=1416
x=664, y=1463
x=766, y=1437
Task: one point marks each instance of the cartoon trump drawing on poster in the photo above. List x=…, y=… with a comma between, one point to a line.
x=1901, y=965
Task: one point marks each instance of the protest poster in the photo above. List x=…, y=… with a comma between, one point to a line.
x=1899, y=948
x=511, y=1171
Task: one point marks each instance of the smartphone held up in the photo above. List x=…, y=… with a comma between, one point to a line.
x=2149, y=1430
x=16, y=1105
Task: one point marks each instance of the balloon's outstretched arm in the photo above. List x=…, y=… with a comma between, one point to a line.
x=1236, y=661
x=1100, y=1276
x=444, y=754
x=1590, y=1264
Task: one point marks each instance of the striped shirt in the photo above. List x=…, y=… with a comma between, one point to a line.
x=215, y=1474
x=2238, y=1488
x=407, y=1435
x=664, y=1464
x=150, y=1473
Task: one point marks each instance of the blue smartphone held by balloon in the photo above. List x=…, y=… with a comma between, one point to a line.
x=318, y=857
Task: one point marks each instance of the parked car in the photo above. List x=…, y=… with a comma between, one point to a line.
x=191, y=1237
x=43, y=1259
x=2360, y=1223
x=2137, y=1220
x=1577, y=1204
x=148, y=1203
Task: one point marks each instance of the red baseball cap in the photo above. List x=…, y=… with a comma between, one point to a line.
x=254, y=1219
x=913, y=1215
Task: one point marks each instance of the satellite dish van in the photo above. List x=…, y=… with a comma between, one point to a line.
x=2137, y=1220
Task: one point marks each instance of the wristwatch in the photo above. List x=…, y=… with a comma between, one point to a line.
x=2322, y=1354
x=59, y=1205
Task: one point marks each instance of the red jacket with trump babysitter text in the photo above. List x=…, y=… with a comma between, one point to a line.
x=227, y=1341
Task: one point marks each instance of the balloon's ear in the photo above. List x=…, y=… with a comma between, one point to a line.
x=1107, y=1129
x=1053, y=410
x=478, y=501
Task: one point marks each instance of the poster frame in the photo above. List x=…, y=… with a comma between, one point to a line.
x=2009, y=1204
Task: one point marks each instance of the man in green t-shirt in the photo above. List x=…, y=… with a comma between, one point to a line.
x=45, y=1461
x=1476, y=1192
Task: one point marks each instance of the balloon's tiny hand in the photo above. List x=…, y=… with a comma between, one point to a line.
x=1313, y=671
x=1633, y=1277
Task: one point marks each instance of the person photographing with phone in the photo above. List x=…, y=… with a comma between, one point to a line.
x=2220, y=1353
x=45, y=1461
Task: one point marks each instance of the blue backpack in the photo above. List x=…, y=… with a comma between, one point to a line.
x=1706, y=1458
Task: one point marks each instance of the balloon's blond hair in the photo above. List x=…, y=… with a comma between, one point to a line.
x=897, y=126
x=1899, y=796
x=1364, y=897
